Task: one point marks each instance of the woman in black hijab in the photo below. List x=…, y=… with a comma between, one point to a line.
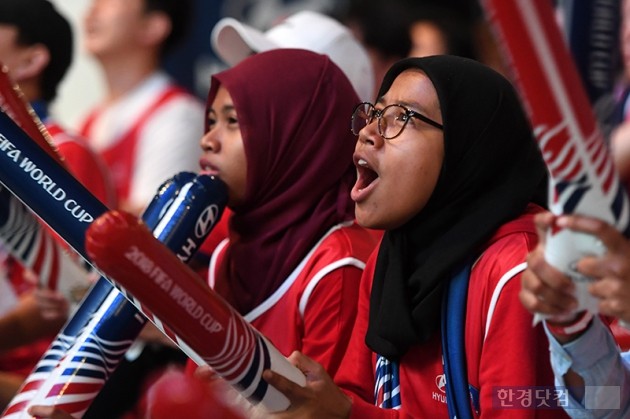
x=448, y=166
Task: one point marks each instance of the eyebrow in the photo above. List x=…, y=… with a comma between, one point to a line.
x=224, y=109
x=414, y=106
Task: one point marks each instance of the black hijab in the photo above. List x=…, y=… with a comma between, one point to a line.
x=492, y=169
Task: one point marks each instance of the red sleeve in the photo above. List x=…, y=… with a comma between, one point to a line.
x=527, y=358
x=512, y=356
x=356, y=372
x=329, y=317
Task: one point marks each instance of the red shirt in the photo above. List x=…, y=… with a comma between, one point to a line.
x=510, y=353
x=314, y=309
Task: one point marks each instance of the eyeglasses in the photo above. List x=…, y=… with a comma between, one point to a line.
x=392, y=119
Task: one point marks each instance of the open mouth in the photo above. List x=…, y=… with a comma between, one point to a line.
x=366, y=175
x=366, y=179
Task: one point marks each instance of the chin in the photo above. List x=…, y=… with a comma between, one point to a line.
x=368, y=219
x=377, y=220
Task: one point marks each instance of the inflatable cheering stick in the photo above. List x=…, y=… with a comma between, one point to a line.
x=24, y=237
x=122, y=248
x=583, y=178
x=93, y=342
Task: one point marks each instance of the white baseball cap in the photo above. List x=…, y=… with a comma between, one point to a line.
x=233, y=41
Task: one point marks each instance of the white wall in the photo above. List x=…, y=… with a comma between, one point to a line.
x=82, y=86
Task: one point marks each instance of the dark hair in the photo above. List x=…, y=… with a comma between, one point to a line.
x=383, y=26
x=179, y=13
x=38, y=22
x=456, y=28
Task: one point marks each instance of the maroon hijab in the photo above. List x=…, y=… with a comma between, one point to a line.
x=294, y=110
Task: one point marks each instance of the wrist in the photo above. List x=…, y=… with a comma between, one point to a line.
x=568, y=331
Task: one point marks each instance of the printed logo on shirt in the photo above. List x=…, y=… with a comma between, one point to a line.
x=440, y=383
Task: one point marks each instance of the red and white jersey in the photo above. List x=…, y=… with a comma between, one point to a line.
x=147, y=136
x=503, y=350
x=314, y=309
x=87, y=166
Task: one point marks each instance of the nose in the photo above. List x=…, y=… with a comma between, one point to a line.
x=210, y=143
x=369, y=135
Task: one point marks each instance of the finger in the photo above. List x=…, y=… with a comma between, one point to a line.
x=304, y=363
x=610, y=288
x=535, y=305
x=543, y=222
x=294, y=392
x=540, y=275
x=609, y=265
x=537, y=297
x=204, y=372
x=615, y=307
x=48, y=412
x=609, y=236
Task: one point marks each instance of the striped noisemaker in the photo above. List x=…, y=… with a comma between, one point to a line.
x=583, y=178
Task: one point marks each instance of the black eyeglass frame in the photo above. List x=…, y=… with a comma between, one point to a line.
x=378, y=114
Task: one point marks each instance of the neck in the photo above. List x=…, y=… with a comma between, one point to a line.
x=122, y=74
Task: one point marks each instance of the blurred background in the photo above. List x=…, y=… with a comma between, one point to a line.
x=192, y=63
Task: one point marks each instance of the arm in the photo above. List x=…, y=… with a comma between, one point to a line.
x=351, y=393
x=523, y=370
x=593, y=363
x=329, y=316
x=25, y=323
x=547, y=291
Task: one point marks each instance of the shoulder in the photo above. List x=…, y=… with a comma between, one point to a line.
x=511, y=243
x=159, y=95
x=505, y=254
x=170, y=94
x=175, y=107
x=345, y=241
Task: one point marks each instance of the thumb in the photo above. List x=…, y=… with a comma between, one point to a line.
x=303, y=362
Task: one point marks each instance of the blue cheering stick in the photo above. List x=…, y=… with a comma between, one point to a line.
x=106, y=323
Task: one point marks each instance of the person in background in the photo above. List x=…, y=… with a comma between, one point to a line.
x=385, y=46
x=586, y=360
x=234, y=41
x=146, y=129
x=445, y=278
x=435, y=30
x=617, y=121
x=36, y=47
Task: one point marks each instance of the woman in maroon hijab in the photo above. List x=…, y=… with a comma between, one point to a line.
x=278, y=136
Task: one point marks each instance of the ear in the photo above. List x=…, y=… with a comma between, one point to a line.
x=32, y=62
x=157, y=29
